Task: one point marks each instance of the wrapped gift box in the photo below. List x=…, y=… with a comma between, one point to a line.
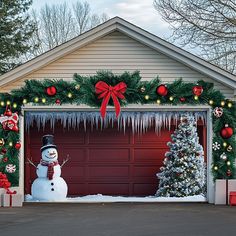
x=2, y=191
x=12, y=200
x=222, y=190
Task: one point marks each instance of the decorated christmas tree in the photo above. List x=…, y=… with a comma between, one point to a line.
x=183, y=173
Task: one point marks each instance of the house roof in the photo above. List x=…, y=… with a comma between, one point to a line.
x=132, y=31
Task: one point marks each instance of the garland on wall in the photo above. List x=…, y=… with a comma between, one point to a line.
x=104, y=89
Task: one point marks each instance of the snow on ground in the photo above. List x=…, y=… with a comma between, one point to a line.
x=108, y=199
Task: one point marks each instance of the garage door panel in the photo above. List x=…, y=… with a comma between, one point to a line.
x=109, y=154
x=144, y=189
x=109, y=188
x=74, y=172
x=76, y=154
x=145, y=171
x=154, y=155
x=78, y=189
x=108, y=171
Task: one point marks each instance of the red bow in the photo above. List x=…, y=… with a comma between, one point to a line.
x=106, y=91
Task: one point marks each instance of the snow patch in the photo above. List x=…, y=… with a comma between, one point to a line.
x=99, y=198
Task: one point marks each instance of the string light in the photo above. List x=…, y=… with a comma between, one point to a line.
x=146, y=97
x=43, y=100
x=158, y=101
x=222, y=103
x=69, y=95
x=211, y=102
x=24, y=101
x=36, y=99
x=2, y=103
x=8, y=103
x=229, y=104
x=14, y=105
x=215, y=167
x=171, y=98
x=225, y=144
x=195, y=97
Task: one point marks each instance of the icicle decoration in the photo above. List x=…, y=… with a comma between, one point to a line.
x=139, y=121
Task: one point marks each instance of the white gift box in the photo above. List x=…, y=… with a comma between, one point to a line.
x=222, y=190
x=12, y=200
x=2, y=191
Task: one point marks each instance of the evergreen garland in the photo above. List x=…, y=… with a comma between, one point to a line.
x=82, y=91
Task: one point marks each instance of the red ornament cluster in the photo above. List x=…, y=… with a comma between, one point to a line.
x=51, y=91
x=4, y=183
x=162, y=90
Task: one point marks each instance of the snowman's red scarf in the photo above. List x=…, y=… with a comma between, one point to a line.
x=50, y=166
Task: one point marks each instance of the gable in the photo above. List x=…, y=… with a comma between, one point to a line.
x=117, y=52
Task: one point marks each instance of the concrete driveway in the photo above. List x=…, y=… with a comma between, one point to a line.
x=118, y=219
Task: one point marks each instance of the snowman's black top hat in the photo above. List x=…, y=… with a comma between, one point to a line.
x=48, y=142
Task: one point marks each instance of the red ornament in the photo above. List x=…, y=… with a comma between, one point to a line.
x=162, y=90
x=228, y=173
x=51, y=91
x=58, y=101
x=5, y=159
x=7, y=112
x=10, y=122
x=106, y=92
x=182, y=99
x=197, y=90
x=18, y=145
x=226, y=132
x=3, y=151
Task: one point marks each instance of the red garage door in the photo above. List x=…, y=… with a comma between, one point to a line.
x=106, y=162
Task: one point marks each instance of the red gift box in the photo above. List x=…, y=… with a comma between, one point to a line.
x=232, y=198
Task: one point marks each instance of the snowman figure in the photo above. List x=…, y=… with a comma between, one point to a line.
x=49, y=186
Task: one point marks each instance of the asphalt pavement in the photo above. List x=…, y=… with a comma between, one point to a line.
x=133, y=219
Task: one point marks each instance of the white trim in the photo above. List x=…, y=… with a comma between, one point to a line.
x=131, y=30
x=210, y=184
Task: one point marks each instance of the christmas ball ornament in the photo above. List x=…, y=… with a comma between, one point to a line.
x=14, y=105
x=171, y=98
x=197, y=90
x=182, y=99
x=77, y=86
x=2, y=103
x=8, y=112
x=215, y=167
x=10, y=144
x=5, y=159
x=36, y=99
x=229, y=148
x=58, y=101
x=195, y=97
x=222, y=103
x=211, y=102
x=228, y=173
x=229, y=104
x=18, y=145
x=226, y=132
x=43, y=100
x=225, y=144
x=218, y=112
x=10, y=168
x=216, y=146
x=3, y=151
x=228, y=163
x=223, y=156
x=69, y=95
x=146, y=97
x=158, y=101
x=162, y=90
x=51, y=90
x=2, y=142
x=24, y=101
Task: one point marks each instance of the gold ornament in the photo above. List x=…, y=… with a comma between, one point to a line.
x=2, y=142
x=171, y=98
x=211, y=102
x=69, y=95
x=215, y=167
x=43, y=100
x=146, y=97
x=229, y=148
x=228, y=163
x=77, y=86
x=225, y=144
x=24, y=101
x=14, y=105
x=195, y=97
x=222, y=103
x=36, y=99
x=229, y=104
x=158, y=101
x=142, y=89
x=2, y=103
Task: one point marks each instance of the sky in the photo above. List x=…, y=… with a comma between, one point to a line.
x=138, y=12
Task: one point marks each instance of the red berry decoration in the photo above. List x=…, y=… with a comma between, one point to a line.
x=182, y=99
x=162, y=90
x=5, y=159
x=226, y=132
x=58, y=101
x=18, y=145
x=51, y=91
x=228, y=173
x=197, y=90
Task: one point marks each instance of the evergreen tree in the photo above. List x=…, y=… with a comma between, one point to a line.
x=16, y=29
x=183, y=173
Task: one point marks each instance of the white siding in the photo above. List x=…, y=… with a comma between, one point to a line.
x=118, y=53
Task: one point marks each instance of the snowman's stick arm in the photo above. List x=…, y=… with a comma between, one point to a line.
x=65, y=160
x=31, y=163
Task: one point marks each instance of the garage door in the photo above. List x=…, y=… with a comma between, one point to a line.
x=107, y=162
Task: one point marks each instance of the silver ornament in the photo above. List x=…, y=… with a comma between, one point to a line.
x=223, y=156
x=216, y=146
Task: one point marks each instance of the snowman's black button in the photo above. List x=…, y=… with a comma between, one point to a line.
x=52, y=189
x=52, y=184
